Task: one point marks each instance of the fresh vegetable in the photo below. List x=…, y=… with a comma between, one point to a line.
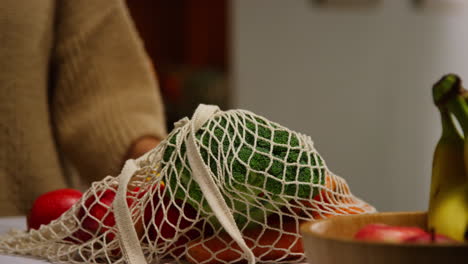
x=276, y=243
x=263, y=166
x=51, y=206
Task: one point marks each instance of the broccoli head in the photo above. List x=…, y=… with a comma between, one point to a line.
x=259, y=164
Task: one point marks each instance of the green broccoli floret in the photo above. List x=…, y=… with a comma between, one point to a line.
x=260, y=164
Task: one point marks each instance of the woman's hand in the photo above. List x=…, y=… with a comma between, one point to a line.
x=141, y=146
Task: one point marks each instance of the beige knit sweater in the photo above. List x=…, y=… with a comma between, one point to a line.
x=76, y=87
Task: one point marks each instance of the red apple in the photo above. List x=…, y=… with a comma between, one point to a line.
x=97, y=217
x=168, y=217
x=387, y=233
x=165, y=216
x=165, y=219
x=51, y=206
x=427, y=239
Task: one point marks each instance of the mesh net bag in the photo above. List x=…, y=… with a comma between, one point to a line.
x=224, y=187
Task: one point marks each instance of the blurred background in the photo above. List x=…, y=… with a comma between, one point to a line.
x=355, y=75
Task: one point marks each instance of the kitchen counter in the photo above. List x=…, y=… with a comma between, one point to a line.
x=7, y=223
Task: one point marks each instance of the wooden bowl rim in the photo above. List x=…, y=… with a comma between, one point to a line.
x=307, y=229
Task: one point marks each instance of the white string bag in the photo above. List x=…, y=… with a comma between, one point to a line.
x=224, y=187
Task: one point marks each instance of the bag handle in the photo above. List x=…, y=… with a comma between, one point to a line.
x=131, y=248
x=204, y=177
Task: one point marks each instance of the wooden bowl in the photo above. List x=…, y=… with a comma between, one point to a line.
x=330, y=241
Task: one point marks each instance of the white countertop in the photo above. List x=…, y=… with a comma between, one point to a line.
x=6, y=223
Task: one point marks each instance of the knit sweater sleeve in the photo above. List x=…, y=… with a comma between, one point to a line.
x=105, y=95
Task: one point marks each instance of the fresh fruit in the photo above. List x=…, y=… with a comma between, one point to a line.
x=399, y=234
x=448, y=168
x=170, y=222
x=96, y=216
x=387, y=233
x=51, y=206
x=448, y=203
x=449, y=93
x=449, y=214
x=168, y=218
x=428, y=238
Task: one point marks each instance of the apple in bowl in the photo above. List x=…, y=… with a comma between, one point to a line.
x=399, y=234
x=333, y=240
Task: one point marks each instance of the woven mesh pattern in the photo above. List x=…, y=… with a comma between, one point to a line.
x=271, y=179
